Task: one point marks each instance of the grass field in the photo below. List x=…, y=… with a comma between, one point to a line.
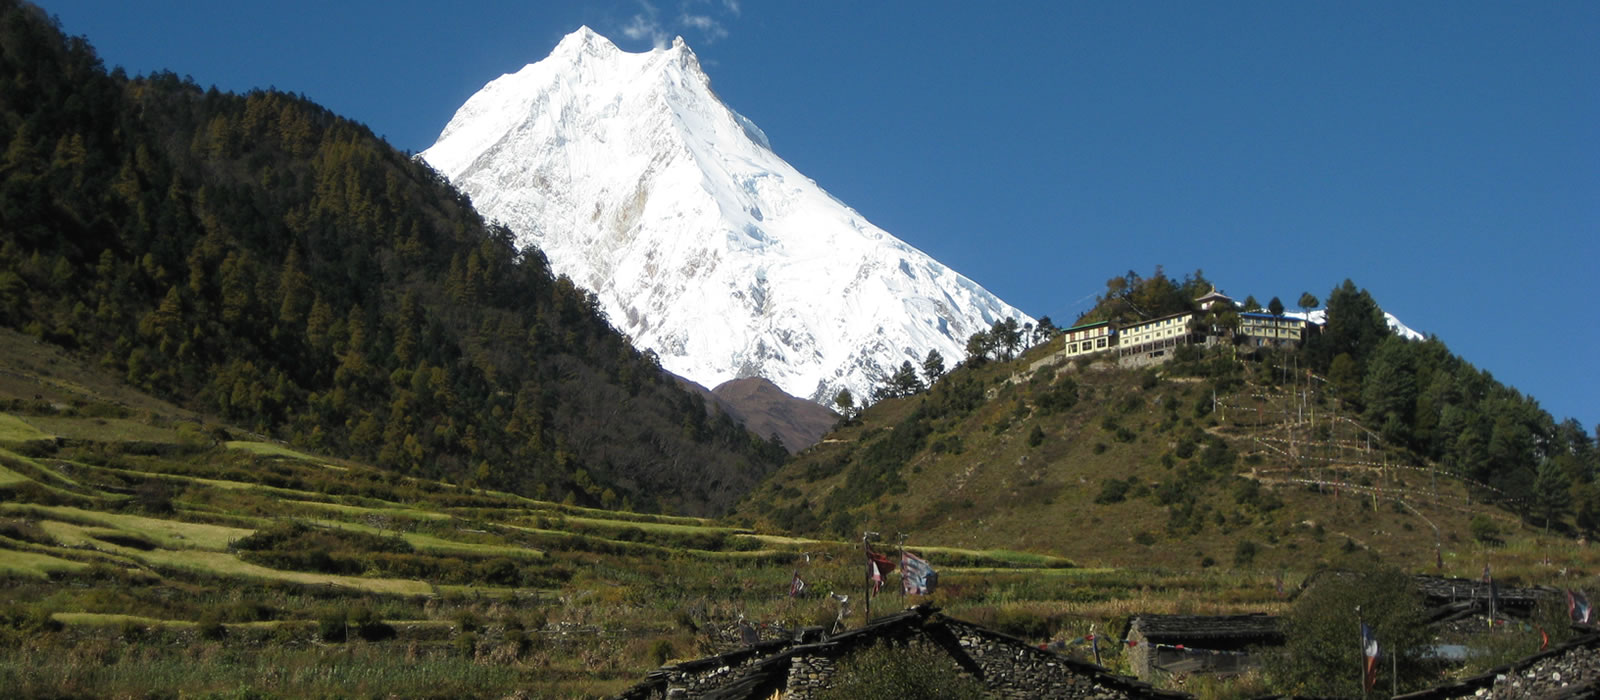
x=171, y=534
x=271, y=450
x=29, y=564
x=249, y=569
x=15, y=429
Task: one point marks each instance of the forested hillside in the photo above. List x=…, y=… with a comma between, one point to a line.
x=1227, y=452
x=1417, y=396
x=262, y=260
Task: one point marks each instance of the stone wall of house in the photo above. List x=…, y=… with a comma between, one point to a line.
x=1011, y=670
x=1573, y=673
x=1008, y=667
x=697, y=679
x=808, y=674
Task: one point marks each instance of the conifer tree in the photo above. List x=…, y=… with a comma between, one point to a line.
x=933, y=367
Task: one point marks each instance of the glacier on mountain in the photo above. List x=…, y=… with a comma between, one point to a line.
x=699, y=241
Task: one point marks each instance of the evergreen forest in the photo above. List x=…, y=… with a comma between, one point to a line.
x=259, y=259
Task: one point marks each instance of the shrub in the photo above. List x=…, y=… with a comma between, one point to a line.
x=368, y=625
x=1185, y=448
x=210, y=626
x=1062, y=396
x=1484, y=529
x=886, y=670
x=154, y=497
x=331, y=626
x=1244, y=553
x=1321, y=628
x=1149, y=379
x=660, y=651
x=1036, y=437
x=1112, y=491
x=466, y=644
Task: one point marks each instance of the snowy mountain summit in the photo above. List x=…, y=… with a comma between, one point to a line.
x=700, y=242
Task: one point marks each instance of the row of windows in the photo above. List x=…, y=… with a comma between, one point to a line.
x=1088, y=345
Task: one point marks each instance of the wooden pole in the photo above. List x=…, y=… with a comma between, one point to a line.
x=1362, y=679
x=902, y=565
x=866, y=575
x=1094, y=642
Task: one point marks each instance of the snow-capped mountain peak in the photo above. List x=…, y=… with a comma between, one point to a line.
x=700, y=242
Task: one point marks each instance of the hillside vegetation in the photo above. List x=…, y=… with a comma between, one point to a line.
x=260, y=260
x=1256, y=459
x=145, y=552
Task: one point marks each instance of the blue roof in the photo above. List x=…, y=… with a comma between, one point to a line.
x=1086, y=325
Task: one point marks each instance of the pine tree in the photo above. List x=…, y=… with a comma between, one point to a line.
x=1389, y=390
x=933, y=367
x=1308, y=302
x=846, y=403
x=1551, y=497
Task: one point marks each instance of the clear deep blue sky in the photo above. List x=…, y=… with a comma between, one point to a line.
x=1444, y=155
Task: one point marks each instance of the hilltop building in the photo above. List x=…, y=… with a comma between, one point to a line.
x=1155, y=340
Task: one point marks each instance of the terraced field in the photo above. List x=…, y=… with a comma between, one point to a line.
x=145, y=551
x=171, y=551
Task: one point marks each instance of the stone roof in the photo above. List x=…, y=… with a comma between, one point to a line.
x=1257, y=627
x=1441, y=590
x=760, y=670
x=1571, y=670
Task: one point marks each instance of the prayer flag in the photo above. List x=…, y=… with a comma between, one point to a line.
x=917, y=577
x=1369, y=647
x=878, y=566
x=797, y=586
x=1577, y=607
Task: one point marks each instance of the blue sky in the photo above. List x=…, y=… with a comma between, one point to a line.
x=1444, y=155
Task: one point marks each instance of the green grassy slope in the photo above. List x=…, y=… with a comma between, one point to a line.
x=162, y=552
x=1242, y=464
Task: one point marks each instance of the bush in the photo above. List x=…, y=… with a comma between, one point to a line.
x=331, y=626
x=1062, y=396
x=1244, y=553
x=1322, y=628
x=210, y=626
x=1112, y=491
x=466, y=644
x=886, y=670
x=1484, y=529
x=368, y=625
x=660, y=651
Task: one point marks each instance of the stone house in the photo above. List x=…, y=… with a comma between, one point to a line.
x=796, y=670
x=1183, y=644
